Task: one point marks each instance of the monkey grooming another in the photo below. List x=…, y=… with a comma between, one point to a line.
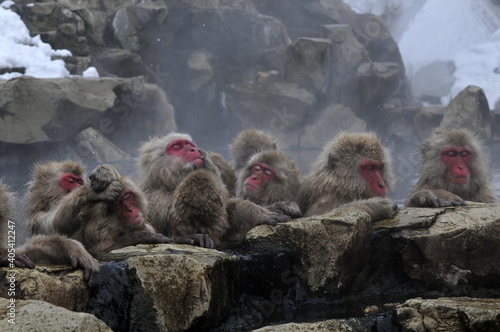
x=454, y=169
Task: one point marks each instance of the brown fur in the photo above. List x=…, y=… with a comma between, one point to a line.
x=433, y=183
x=84, y=213
x=54, y=249
x=281, y=193
x=186, y=202
x=335, y=180
x=248, y=143
x=227, y=172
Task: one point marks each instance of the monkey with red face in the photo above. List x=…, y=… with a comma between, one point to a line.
x=266, y=176
x=354, y=170
x=453, y=169
x=189, y=200
x=104, y=215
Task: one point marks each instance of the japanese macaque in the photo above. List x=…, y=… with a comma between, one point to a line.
x=248, y=143
x=50, y=249
x=353, y=170
x=188, y=200
x=105, y=214
x=268, y=177
x=453, y=170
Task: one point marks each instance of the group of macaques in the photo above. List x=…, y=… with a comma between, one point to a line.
x=191, y=196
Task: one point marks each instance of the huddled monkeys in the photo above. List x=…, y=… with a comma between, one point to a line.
x=454, y=169
x=188, y=198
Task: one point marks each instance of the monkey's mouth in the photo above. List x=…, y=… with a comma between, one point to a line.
x=137, y=220
x=460, y=179
x=251, y=188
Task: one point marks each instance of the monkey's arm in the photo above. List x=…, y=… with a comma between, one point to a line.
x=58, y=249
x=433, y=198
x=134, y=238
x=287, y=208
x=20, y=260
x=379, y=208
x=65, y=215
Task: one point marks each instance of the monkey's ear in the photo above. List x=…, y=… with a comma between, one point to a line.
x=332, y=161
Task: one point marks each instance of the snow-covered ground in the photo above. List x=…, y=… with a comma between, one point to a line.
x=20, y=50
x=461, y=31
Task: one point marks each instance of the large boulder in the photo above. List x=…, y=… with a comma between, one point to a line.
x=33, y=315
x=342, y=240
x=59, y=285
x=469, y=109
x=448, y=247
x=330, y=325
x=176, y=287
x=449, y=314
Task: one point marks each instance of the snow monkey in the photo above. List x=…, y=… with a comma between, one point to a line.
x=267, y=177
x=353, y=170
x=106, y=214
x=453, y=169
x=41, y=249
x=188, y=199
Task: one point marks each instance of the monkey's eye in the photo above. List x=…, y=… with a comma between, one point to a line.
x=450, y=153
x=465, y=154
x=268, y=172
x=80, y=182
x=257, y=168
x=368, y=167
x=70, y=179
x=127, y=196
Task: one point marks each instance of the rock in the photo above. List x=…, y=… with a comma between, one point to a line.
x=94, y=148
x=32, y=315
x=120, y=62
x=56, y=25
x=469, y=109
x=59, y=285
x=197, y=286
x=330, y=325
x=427, y=120
x=130, y=23
x=449, y=314
x=307, y=63
x=58, y=109
x=451, y=247
x=330, y=122
x=250, y=104
x=343, y=241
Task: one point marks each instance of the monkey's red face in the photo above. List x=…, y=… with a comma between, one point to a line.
x=458, y=160
x=186, y=150
x=127, y=210
x=262, y=174
x=70, y=181
x=373, y=172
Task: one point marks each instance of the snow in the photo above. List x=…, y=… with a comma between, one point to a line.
x=450, y=30
x=20, y=50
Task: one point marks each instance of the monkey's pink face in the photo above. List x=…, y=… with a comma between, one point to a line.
x=261, y=175
x=373, y=172
x=186, y=150
x=70, y=181
x=458, y=160
x=127, y=210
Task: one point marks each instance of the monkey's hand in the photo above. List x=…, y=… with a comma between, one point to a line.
x=20, y=260
x=287, y=208
x=274, y=218
x=201, y=240
x=80, y=258
x=208, y=164
x=379, y=208
x=435, y=198
x=110, y=194
x=102, y=176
